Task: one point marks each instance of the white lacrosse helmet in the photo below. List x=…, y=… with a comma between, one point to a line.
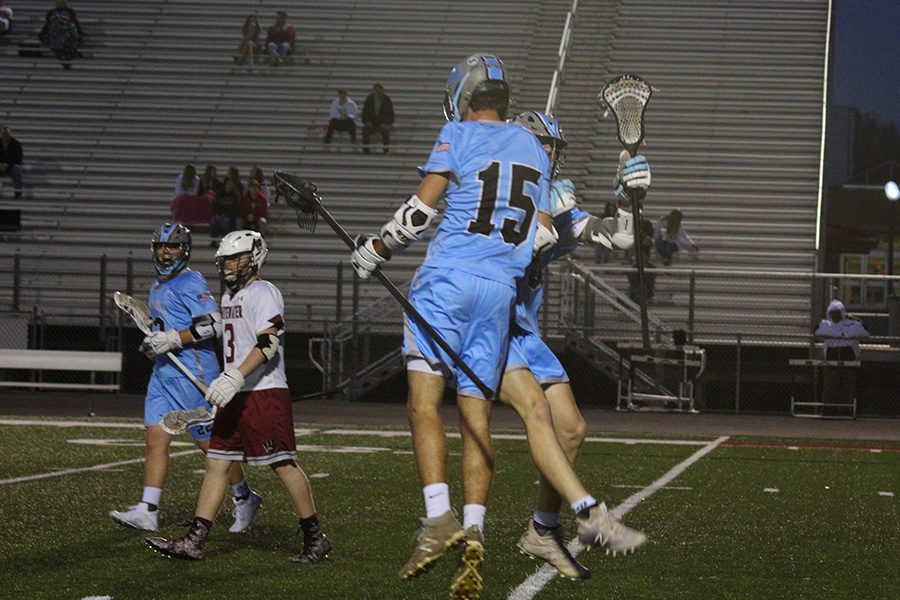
x=241, y=242
x=478, y=74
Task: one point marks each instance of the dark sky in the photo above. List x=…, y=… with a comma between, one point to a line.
x=866, y=69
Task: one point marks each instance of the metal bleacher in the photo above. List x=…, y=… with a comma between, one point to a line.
x=733, y=129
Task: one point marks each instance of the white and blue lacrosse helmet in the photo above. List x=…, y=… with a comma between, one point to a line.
x=237, y=243
x=479, y=74
x=170, y=233
x=547, y=130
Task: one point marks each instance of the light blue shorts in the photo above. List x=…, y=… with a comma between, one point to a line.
x=528, y=351
x=472, y=314
x=173, y=393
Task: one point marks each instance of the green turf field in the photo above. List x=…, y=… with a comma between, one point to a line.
x=717, y=530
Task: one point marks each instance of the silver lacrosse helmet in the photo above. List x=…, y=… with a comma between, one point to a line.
x=166, y=234
x=546, y=128
x=243, y=243
x=478, y=74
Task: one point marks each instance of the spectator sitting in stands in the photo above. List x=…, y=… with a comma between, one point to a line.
x=634, y=284
x=377, y=117
x=254, y=209
x=224, y=209
x=210, y=181
x=188, y=182
x=62, y=33
x=6, y=15
x=188, y=206
x=11, y=159
x=342, y=116
x=280, y=39
x=841, y=334
x=235, y=176
x=249, y=42
x=670, y=236
x=256, y=174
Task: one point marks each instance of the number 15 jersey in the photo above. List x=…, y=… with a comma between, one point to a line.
x=498, y=182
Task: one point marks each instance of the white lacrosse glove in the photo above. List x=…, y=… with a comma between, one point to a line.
x=562, y=195
x=224, y=387
x=544, y=239
x=624, y=236
x=633, y=174
x=365, y=259
x=160, y=342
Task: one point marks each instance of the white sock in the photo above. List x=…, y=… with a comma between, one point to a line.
x=583, y=503
x=473, y=514
x=550, y=520
x=437, y=499
x=240, y=489
x=152, y=495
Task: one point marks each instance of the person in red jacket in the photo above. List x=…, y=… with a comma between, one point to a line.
x=254, y=209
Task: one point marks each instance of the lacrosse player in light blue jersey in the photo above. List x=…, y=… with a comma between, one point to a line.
x=535, y=378
x=494, y=177
x=187, y=323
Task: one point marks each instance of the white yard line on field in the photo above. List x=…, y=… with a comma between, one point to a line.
x=536, y=582
x=85, y=469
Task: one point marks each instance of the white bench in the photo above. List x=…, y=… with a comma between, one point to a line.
x=61, y=360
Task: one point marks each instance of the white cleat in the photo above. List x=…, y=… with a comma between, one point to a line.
x=137, y=516
x=244, y=512
x=599, y=530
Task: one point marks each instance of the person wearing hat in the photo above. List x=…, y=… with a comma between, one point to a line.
x=280, y=39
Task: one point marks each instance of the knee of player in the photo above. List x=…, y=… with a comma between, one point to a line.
x=572, y=433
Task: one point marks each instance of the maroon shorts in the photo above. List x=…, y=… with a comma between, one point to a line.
x=257, y=427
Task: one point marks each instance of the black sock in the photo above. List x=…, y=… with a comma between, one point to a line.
x=151, y=507
x=205, y=522
x=310, y=526
x=543, y=529
x=586, y=512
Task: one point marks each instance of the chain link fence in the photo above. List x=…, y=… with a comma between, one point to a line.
x=344, y=334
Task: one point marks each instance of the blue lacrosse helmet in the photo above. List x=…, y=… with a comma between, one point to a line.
x=546, y=128
x=170, y=233
x=478, y=74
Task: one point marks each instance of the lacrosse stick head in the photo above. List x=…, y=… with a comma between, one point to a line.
x=299, y=194
x=627, y=97
x=177, y=422
x=134, y=308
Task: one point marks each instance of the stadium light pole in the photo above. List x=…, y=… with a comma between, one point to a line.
x=892, y=193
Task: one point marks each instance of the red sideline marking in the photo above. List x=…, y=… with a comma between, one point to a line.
x=810, y=446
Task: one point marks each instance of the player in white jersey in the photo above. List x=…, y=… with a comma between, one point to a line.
x=494, y=177
x=254, y=421
x=535, y=378
x=187, y=323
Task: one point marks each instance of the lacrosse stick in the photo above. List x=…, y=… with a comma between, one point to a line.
x=627, y=96
x=176, y=421
x=300, y=194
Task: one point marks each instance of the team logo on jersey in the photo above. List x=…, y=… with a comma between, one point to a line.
x=442, y=146
x=269, y=446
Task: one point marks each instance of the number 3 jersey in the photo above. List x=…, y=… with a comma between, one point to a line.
x=498, y=181
x=174, y=303
x=246, y=313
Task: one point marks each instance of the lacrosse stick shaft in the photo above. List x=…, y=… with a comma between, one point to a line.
x=636, y=198
x=407, y=306
x=122, y=301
